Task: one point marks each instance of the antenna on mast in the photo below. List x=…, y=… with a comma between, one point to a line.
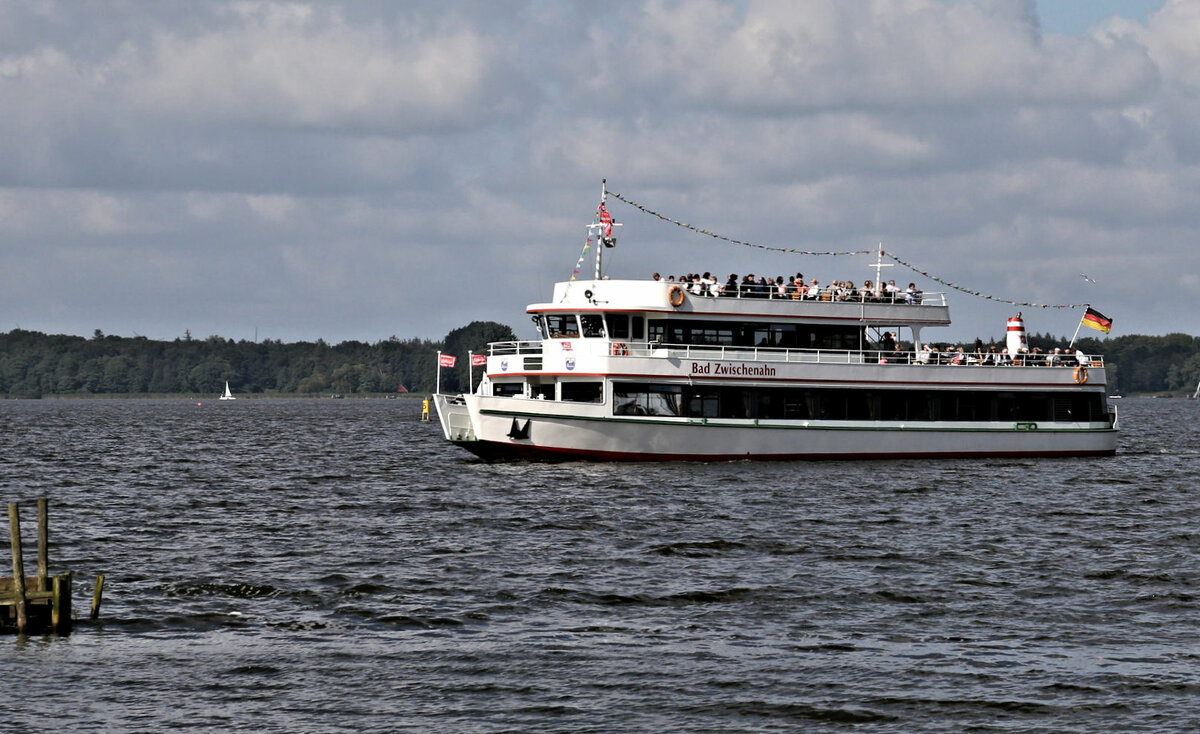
x=879, y=265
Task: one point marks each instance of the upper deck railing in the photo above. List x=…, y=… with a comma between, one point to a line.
x=920, y=298
x=620, y=349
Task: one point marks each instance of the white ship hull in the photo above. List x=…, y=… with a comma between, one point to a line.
x=575, y=437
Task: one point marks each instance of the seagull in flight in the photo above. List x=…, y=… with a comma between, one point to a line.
x=1081, y=275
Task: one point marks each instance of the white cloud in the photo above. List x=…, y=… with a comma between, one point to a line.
x=292, y=72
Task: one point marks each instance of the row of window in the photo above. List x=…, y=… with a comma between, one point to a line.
x=700, y=332
x=740, y=334
x=591, y=325
x=731, y=401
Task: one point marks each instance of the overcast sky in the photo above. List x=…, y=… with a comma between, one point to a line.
x=365, y=169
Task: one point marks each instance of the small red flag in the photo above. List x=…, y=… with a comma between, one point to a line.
x=478, y=359
x=446, y=360
x=607, y=220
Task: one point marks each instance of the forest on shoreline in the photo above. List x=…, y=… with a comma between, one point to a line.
x=36, y=365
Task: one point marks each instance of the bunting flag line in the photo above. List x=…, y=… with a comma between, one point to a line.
x=587, y=245
x=714, y=235
x=930, y=276
x=978, y=294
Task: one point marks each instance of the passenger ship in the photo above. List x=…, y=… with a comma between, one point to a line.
x=650, y=371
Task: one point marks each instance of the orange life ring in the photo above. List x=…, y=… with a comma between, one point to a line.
x=620, y=350
x=676, y=296
x=1081, y=374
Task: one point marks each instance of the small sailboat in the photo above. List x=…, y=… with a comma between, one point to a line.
x=1196, y=395
x=227, y=395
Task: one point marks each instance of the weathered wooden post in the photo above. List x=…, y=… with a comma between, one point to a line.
x=14, y=525
x=96, y=593
x=60, y=605
x=43, y=545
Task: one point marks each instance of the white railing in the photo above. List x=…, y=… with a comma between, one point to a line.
x=621, y=349
x=898, y=299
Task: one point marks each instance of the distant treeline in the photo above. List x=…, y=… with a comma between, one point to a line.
x=35, y=365
x=1140, y=364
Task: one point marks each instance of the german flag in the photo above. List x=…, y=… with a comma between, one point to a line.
x=1096, y=320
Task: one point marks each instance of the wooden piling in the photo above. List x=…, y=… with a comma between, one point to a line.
x=96, y=594
x=14, y=526
x=43, y=551
x=60, y=605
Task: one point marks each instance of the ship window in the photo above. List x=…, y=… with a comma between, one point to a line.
x=618, y=325
x=703, y=403
x=638, y=327
x=508, y=389
x=541, y=391
x=593, y=325
x=561, y=325
x=643, y=399
x=583, y=392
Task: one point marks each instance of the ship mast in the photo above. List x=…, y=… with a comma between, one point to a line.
x=879, y=265
x=598, y=227
x=604, y=223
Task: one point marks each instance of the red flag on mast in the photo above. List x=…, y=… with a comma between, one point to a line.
x=607, y=220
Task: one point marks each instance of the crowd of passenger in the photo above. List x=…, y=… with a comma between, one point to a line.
x=794, y=288
x=890, y=350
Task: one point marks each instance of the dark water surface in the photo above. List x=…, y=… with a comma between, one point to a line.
x=332, y=565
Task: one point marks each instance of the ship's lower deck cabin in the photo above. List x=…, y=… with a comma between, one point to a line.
x=636, y=398
x=796, y=403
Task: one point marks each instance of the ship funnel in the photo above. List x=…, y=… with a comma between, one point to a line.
x=1016, y=341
